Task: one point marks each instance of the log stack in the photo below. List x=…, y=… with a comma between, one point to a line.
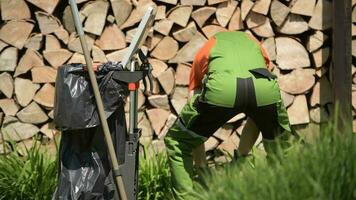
x=38, y=36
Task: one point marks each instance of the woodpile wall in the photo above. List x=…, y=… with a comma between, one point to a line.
x=38, y=36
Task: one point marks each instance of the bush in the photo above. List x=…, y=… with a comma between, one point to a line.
x=325, y=169
x=154, y=178
x=30, y=177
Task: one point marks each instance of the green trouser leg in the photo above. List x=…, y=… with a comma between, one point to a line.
x=180, y=144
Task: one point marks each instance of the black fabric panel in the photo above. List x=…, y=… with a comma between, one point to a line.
x=210, y=118
x=266, y=119
x=245, y=94
x=262, y=73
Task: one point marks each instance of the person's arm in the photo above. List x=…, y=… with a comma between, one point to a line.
x=199, y=69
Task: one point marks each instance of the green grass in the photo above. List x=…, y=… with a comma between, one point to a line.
x=30, y=177
x=325, y=169
x=154, y=178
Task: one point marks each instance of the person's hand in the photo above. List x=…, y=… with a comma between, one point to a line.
x=96, y=66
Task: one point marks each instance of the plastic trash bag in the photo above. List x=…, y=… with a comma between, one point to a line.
x=84, y=167
x=75, y=106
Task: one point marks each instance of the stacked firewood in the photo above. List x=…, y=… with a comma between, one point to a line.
x=38, y=36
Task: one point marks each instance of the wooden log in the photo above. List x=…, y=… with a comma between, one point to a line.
x=298, y=81
x=213, y=2
x=45, y=96
x=161, y=12
x=57, y=57
x=52, y=43
x=8, y=59
x=98, y=55
x=298, y=111
x=224, y=12
x=14, y=10
x=9, y=107
x=49, y=130
x=265, y=30
x=262, y=6
x=270, y=46
x=182, y=74
x=321, y=56
x=246, y=7
x=67, y=20
x=159, y=101
x=121, y=9
x=145, y=125
x=156, y=87
x=77, y=58
x=167, y=81
x=34, y=41
x=186, y=34
x=14, y=130
x=180, y=15
x=3, y=45
x=43, y=74
x=74, y=43
x=62, y=34
x=193, y=2
x=163, y=26
x=291, y=54
x=236, y=21
x=111, y=39
x=201, y=15
x=279, y=12
x=158, y=118
x=169, y=123
x=315, y=41
x=287, y=98
x=47, y=23
x=224, y=132
x=180, y=93
x=254, y=19
x=172, y=2
x=178, y=104
x=294, y=24
x=211, y=144
x=16, y=33
x=137, y=13
x=96, y=16
x=32, y=114
x=236, y=118
x=152, y=41
x=303, y=7
x=25, y=91
x=318, y=115
x=319, y=20
x=46, y=5
x=321, y=94
x=7, y=84
x=158, y=67
x=210, y=30
x=160, y=51
x=188, y=51
x=30, y=59
x=116, y=55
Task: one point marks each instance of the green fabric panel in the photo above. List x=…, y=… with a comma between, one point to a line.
x=283, y=119
x=233, y=55
x=267, y=91
x=180, y=143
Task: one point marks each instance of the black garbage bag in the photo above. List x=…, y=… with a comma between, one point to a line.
x=75, y=106
x=84, y=166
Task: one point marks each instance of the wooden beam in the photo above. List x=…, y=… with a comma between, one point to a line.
x=341, y=71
